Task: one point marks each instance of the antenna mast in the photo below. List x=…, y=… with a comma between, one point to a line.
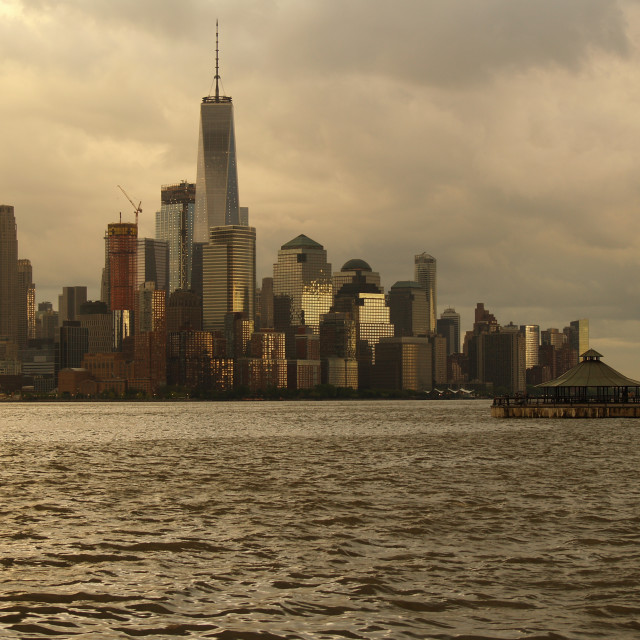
x=217, y=76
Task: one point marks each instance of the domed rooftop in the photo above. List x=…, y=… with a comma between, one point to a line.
x=355, y=264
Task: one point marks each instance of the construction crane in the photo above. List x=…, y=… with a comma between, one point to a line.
x=138, y=209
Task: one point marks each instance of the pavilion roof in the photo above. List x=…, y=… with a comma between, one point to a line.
x=591, y=372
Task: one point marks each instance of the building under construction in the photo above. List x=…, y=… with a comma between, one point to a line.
x=121, y=247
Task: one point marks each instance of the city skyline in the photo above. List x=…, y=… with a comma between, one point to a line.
x=500, y=140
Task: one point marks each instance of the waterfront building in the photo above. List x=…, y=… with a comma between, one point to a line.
x=217, y=202
x=448, y=325
x=174, y=225
x=195, y=360
x=403, y=363
x=229, y=275
x=153, y=263
x=9, y=290
x=426, y=276
x=408, y=309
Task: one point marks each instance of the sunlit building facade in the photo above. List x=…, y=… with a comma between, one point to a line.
x=403, y=363
x=229, y=275
x=531, y=334
x=302, y=287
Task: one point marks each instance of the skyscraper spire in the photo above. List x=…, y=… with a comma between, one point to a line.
x=217, y=76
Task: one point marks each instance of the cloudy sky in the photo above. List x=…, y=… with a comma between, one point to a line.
x=500, y=136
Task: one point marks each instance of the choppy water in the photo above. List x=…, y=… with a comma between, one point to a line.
x=316, y=520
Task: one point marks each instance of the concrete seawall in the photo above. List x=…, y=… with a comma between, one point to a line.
x=567, y=411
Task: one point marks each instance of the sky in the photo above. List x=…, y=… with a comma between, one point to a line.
x=500, y=136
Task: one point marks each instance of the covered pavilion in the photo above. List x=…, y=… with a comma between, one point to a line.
x=591, y=381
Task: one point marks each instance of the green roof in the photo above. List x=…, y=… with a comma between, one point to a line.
x=302, y=242
x=591, y=373
x=406, y=284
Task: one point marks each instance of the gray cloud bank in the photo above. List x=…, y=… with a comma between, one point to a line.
x=500, y=136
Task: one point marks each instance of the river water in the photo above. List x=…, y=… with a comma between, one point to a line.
x=288, y=520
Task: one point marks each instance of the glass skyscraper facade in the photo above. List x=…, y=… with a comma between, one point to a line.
x=228, y=275
x=174, y=225
x=217, y=175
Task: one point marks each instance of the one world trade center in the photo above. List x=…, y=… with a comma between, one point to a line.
x=217, y=173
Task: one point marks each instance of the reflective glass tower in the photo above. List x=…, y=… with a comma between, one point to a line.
x=217, y=175
x=174, y=225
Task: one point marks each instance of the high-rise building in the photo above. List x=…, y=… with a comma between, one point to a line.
x=552, y=337
x=98, y=320
x=73, y=344
x=531, y=334
x=425, y=275
x=403, y=362
x=228, y=275
x=70, y=301
x=120, y=275
x=153, y=263
x=266, y=304
x=9, y=291
x=448, y=325
x=356, y=270
x=121, y=243
x=579, y=335
x=174, y=225
x=27, y=303
x=184, y=311
x=217, y=174
x=408, y=309
x=302, y=286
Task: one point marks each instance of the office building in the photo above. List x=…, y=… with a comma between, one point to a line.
x=403, y=363
x=425, y=275
x=27, y=303
x=70, y=301
x=448, y=325
x=152, y=263
x=356, y=270
x=266, y=304
x=217, y=202
x=98, y=320
x=302, y=287
x=73, y=345
x=531, y=334
x=9, y=290
x=578, y=333
x=120, y=276
x=408, y=309
x=184, y=311
x=174, y=225
x=229, y=275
